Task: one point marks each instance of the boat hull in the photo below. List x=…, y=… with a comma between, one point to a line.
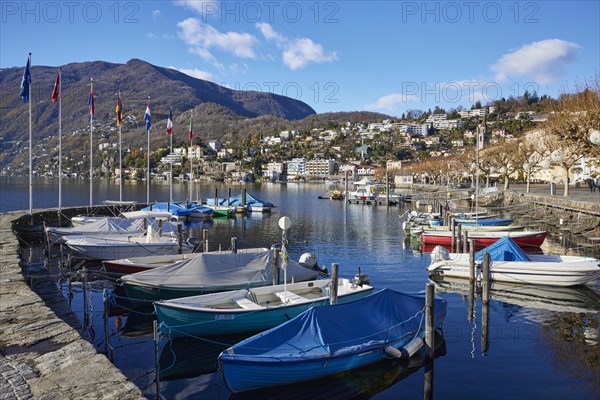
x=570, y=271
x=523, y=240
x=184, y=321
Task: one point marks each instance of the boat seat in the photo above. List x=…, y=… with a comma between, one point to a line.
x=247, y=304
x=290, y=297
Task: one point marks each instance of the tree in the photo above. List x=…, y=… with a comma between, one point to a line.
x=576, y=115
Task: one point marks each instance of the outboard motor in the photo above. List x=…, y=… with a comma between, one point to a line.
x=439, y=253
x=309, y=260
x=361, y=279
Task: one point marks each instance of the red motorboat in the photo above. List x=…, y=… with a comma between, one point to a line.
x=522, y=238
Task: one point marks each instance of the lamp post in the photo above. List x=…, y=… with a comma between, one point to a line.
x=558, y=156
x=473, y=171
x=504, y=171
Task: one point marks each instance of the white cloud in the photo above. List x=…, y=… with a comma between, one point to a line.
x=545, y=61
x=156, y=14
x=391, y=102
x=200, y=6
x=202, y=38
x=195, y=73
x=297, y=53
x=269, y=33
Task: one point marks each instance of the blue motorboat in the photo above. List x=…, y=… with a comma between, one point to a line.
x=328, y=340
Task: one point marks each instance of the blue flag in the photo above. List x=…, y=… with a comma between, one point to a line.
x=25, y=83
x=147, y=117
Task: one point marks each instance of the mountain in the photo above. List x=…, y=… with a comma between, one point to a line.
x=218, y=112
x=167, y=88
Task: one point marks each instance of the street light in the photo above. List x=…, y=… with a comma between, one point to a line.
x=557, y=156
x=474, y=169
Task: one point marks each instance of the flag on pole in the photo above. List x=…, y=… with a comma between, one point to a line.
x=191, y=129
x=91, y=103
x=56, y=91
x=147, y=117
x=25, y=82
x=119, y=110
x=170, y=123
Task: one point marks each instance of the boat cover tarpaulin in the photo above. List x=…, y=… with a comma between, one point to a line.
x=334, y=331
x=103, y=226
x=251, y=267
x=504, y=249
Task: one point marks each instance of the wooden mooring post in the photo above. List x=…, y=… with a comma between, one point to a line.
x=85, y=301
x=485, y=327
x=429, y=319
x=485, y=278
x=234, y=245
x=333, y=292
x=156, y=357
x=275, y=266
x=465, y=241
x=458, y=237
x=205, y=240
x=179, y=239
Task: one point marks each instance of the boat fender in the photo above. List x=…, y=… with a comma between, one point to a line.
x=406, y=351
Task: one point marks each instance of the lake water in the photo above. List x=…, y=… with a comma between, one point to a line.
x=542, y=343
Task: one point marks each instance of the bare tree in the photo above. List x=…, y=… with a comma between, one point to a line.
x=577, y=115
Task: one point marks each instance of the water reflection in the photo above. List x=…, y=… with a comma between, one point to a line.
x=576, y=299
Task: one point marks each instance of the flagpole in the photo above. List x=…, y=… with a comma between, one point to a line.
x=148, y=164
x=171, y=171
x=59, y=139
x=91, y=140
x=120, y=152
x=30, y=150
x=191, y=158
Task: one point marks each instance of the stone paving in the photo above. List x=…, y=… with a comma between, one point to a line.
x=42, y=355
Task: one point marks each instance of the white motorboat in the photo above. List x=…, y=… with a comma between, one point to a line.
x=510, y=264
x=110, y=247
x=112, y=226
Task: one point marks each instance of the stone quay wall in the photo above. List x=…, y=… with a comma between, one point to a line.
x=42, y=354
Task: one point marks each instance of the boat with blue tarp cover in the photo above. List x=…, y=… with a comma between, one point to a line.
x=252, y=203
x=508, y=263
x=190, y=211
x=327, y=340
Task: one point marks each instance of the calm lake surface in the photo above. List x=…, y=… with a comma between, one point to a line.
x=542, y=343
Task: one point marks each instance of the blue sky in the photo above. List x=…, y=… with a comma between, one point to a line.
x=385, y=56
